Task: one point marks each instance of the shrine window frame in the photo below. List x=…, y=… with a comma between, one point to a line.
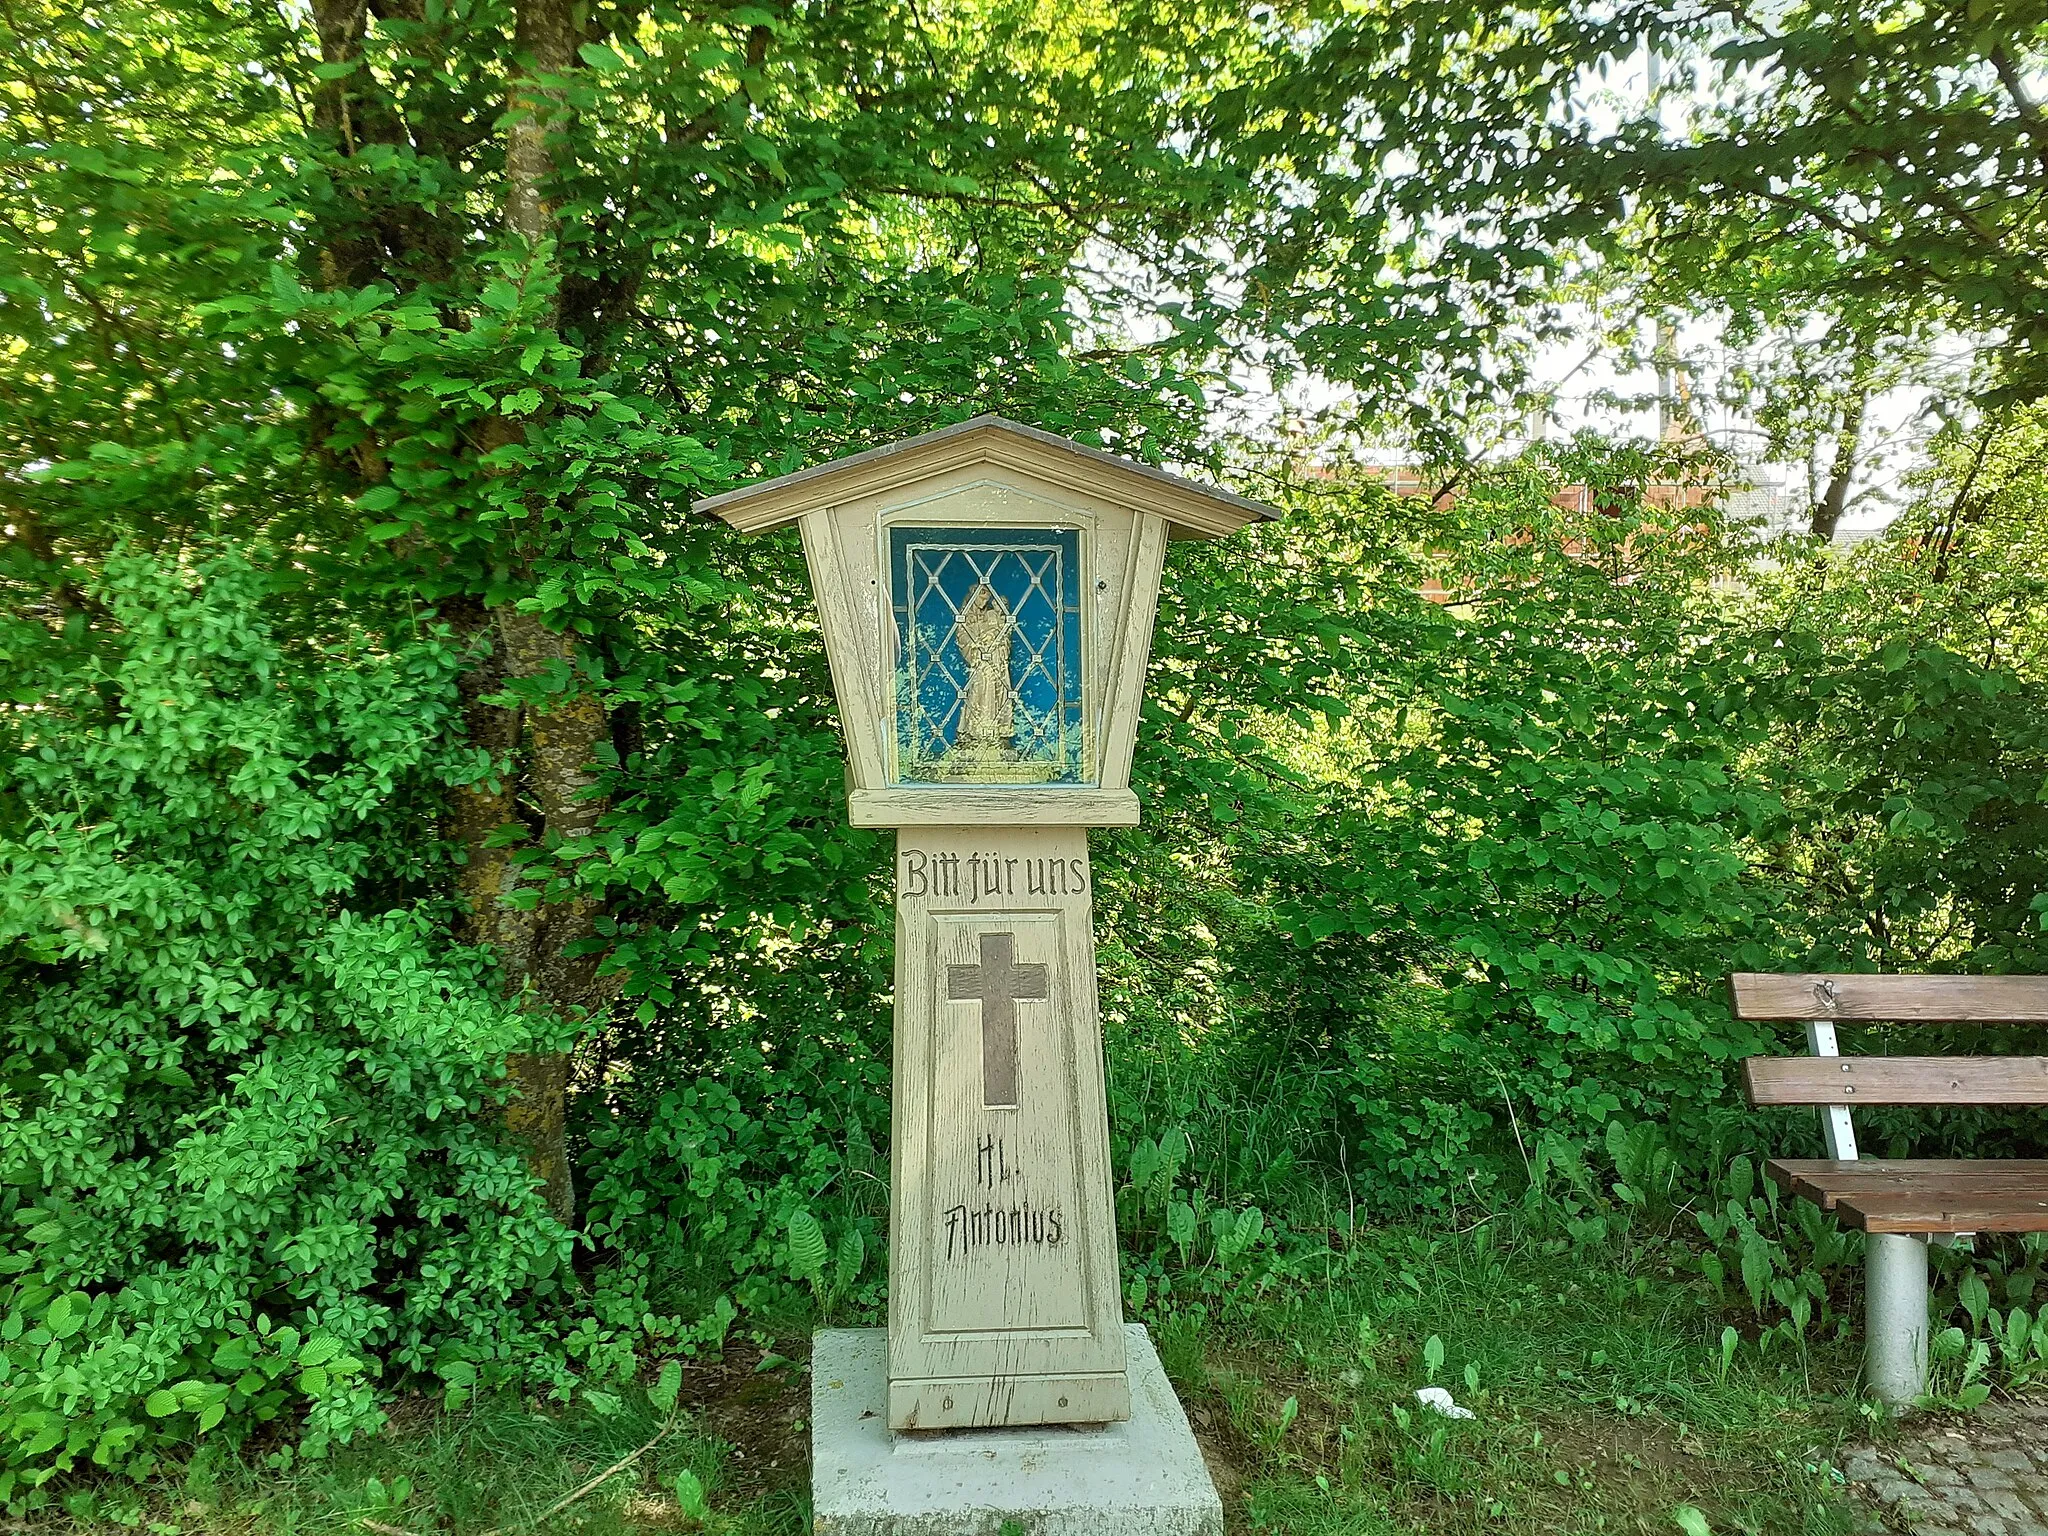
x=1072, y=705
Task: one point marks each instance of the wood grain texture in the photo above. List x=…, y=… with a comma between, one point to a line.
x=1771, y=1080
x=971, y=806
x=1825, y=1181
x=1003, y=1289
x=1977, y=1212
x=1125, y=619
x=1194, y=510
x=974, y=1401
x=1898, y=999
x=846, y=585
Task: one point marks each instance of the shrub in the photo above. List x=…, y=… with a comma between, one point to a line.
x=240, y=1143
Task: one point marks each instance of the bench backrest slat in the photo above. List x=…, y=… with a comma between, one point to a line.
x=1896, y=1080
x=1900, y=999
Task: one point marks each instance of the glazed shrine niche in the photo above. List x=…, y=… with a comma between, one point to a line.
x=989, y=634
x=986, y=593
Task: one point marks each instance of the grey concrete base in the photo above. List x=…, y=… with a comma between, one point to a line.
x=1141, y=1478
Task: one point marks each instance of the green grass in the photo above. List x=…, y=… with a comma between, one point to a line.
x=514, y=1468
x=1600, y=1396
x=1603, y=1403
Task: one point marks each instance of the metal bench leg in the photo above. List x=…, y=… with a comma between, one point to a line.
x=1895, y=1316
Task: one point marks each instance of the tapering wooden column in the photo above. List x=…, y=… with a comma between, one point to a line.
x=1004, y=1299
x=987, y=594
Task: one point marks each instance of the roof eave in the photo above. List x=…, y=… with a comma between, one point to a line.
x=1191, y=509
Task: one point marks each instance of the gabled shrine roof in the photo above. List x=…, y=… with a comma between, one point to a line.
x=1192, y=510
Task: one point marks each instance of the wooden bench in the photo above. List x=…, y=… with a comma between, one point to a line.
x=1902, y=1203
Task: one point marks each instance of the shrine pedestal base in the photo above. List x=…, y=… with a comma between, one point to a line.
x=1142, y=1477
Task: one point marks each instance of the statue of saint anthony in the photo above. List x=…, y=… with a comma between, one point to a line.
x=987, y=736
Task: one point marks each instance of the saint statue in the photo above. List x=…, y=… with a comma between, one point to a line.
x=987, y=737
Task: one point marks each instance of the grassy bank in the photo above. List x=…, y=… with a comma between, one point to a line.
x=1603, y=1401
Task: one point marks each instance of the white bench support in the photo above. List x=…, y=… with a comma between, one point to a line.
x=1895, y=1316
x=1894, y=1268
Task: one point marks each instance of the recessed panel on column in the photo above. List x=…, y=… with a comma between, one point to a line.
x=1003, y=1289
x=1003, y=1182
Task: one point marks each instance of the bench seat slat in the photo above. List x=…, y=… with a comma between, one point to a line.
x=1898, y=999
x=1854, y=1080
x=1825, y=1181
x=1982, y=1212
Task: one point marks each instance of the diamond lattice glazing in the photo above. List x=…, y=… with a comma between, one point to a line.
x=952, y=589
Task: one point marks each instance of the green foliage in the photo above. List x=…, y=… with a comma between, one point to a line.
x=1915, y=749
x=241, y=1153
x=1561, y=807
x=1854, y=178
x=1458, y=806
x=1534, y=799
x=1465, y=811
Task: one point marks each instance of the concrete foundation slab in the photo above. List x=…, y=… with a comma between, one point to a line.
x=1144, y=1477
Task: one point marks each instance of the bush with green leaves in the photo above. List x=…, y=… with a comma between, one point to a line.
x=243, y=1149
x=1517, y=777
x=1431, y=899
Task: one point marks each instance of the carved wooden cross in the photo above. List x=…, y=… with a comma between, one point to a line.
x=998, y=984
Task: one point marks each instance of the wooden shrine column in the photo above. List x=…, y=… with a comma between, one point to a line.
x=1004, y=1302
x=987, y=594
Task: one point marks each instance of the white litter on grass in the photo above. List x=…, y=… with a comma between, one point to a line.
x=1437, y=1399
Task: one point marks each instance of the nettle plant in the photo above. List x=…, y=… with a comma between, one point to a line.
x=241, y=1153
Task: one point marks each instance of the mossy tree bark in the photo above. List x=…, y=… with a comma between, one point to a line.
x=562, y=735
x=544, y=741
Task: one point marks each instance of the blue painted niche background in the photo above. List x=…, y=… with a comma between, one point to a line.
x=1037, y=574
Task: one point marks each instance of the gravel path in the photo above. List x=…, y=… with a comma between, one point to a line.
x=1987, y=1477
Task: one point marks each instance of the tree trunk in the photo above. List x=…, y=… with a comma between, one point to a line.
x=545, y=753
x=561, y=738
x=559, y=745
x=544, y=37
x=478, y=810
x=562, y=742
x=1827, y=512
